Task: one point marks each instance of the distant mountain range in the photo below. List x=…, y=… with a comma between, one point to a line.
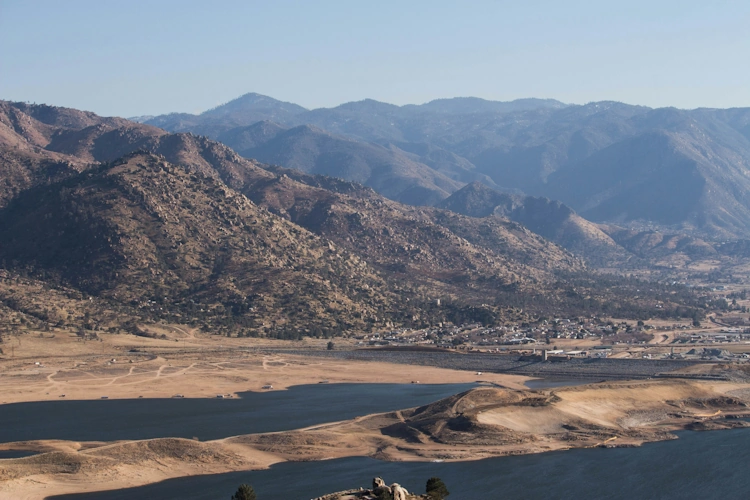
x=647, y=169
x=105, y=222
x=389, y=170
x=156, y=225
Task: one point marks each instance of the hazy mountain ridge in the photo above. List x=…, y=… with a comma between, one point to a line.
x=462, y=105
x=412, y=173
x=674, y=180
x=387, y=170
x=603, y=245
x=421, y=176
x=242, y=139
x=550, y=219
x=677, y=170
x=240, y=112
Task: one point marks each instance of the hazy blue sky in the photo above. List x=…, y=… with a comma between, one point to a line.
x=148, y=57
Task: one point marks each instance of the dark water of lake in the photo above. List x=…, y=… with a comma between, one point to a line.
x=16, y=453
x=705, y=465
x=300, y=406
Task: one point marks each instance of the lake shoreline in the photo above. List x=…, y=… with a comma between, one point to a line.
x=666, y=470
x=387, y=436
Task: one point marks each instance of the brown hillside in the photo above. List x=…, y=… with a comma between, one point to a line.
x=423, y=243
x=148, y=232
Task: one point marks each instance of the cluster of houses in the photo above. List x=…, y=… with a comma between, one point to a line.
x=725, y=335
x=538, y=340
x=526, y=335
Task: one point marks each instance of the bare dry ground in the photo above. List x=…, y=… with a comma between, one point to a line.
x=489, y=421
x=496, y=420
x=45, y=368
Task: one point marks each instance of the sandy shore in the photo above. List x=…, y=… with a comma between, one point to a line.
x=497, y=420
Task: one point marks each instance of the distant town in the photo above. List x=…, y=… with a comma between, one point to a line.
x=565, y=338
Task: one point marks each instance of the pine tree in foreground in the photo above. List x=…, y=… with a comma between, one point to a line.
x=244, y=492
x=436, y=488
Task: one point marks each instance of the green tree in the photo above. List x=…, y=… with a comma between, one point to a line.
x=436, y=488
x=244, y=492
x=385, y=495
x=331, y=345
